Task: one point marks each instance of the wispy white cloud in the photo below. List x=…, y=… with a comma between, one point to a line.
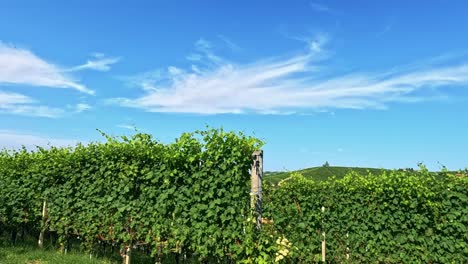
x=319, y=7
x=388, y=26
x=99, y=63
x=34, y=110
x=231, y=45
x=14, y=103
x=316, y=43
x=289, y=84
x=19, y=104
x=81, y=107
x=15, y=140
x=13, y=98
x=125, y=126
x=204, y=54
x=143, y=80
x=21, y=66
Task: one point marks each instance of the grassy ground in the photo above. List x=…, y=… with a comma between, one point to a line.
x=28, y=254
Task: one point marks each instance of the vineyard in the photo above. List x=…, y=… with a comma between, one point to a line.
x=189, y=202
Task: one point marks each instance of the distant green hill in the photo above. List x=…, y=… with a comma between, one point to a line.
x=319, y=173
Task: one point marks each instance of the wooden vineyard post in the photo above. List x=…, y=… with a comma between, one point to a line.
x=347, y=245
x=43, y=227
x=126, y=255
x=323, y=241
x=323, y=248
x=256, y=190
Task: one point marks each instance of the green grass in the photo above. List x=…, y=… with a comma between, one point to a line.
x=320, y=173
x=26, y=251
x=28, y=254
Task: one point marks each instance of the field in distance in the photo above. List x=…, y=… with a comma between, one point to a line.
x=319, y=173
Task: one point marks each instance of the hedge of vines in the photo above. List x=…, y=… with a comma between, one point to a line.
x=190, y=197
x=396, y=217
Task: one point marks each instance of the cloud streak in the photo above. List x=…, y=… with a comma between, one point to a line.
x=21, y=66
x=15, y=140
x=125, y=126
x=98, y=63
x=289, y=84
x=318, y=7
x=14, y=103
x=81, y=107
x=387, y=27
x=231, y=45
x=19, y=104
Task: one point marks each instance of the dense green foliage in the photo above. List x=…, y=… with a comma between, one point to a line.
x=395, y=217
x=188, y=201
x=320, y=173
x=190, y=197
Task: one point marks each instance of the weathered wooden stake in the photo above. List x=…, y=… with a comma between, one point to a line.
x=256, y=190
x=323, y=247
x=347, y=246
x=126, y=255
x=44, y=221
x=323, y=241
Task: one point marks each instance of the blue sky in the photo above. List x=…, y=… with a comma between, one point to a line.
x=354, y=83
